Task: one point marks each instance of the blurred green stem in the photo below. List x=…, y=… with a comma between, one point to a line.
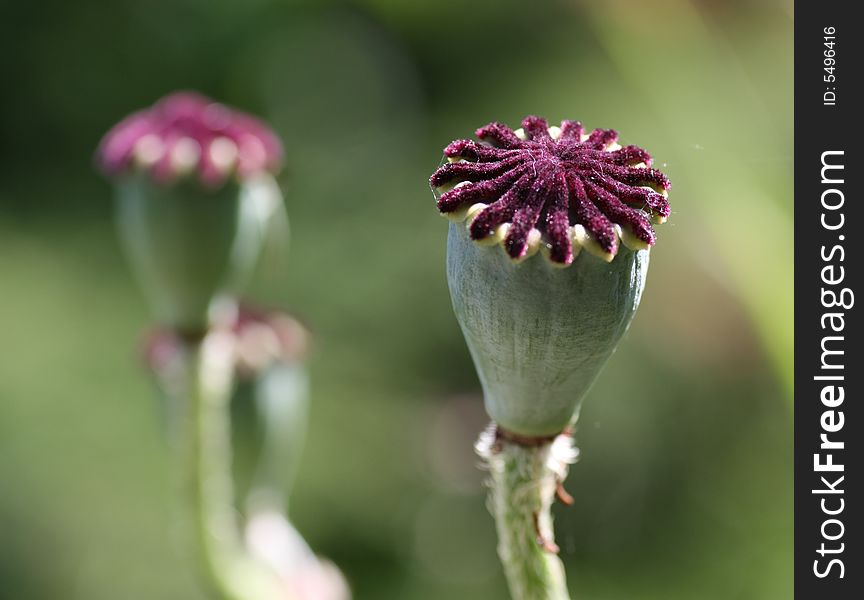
x=228, y=567
x=523, y=483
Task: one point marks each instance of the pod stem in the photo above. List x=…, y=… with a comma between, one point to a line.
x=231, y=572
x=523, y=483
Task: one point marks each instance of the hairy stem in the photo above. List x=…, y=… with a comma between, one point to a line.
x=523, y=482
x=228, y=567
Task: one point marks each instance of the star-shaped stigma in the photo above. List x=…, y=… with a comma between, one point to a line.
x=187, y=133
x=556, y=188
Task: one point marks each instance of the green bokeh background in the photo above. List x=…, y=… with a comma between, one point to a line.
x=684, y=486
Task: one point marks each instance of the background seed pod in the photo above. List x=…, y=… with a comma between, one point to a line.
x=188, y=243
x=269, y=414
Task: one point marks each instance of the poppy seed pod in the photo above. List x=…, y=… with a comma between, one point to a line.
x=540, y=316
x=195, y=191
x=236, y=400
x=269, y=406
x=540, y=335
x=268, y=401
x=540, y=329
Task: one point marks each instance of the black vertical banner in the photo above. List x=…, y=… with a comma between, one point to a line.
x=829, y=233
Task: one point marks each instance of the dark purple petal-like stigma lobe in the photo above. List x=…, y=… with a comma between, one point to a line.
x=558, y=188
x=187, y=133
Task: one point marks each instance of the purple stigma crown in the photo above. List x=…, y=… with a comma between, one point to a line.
x=261, y=337
x=555, y=188
x=186, y=133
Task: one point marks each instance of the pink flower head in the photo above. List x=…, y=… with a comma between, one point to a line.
x=556, y=186
x=186, y=133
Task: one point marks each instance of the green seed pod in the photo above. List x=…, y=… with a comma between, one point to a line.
x=541, y=318
x=269, y=418
x=539, y=334
x=187, y=244
x=195, y=195
x=269, y=399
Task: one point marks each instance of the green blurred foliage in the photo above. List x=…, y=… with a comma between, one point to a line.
x=684, y=485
